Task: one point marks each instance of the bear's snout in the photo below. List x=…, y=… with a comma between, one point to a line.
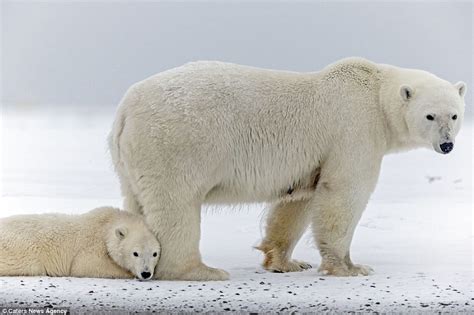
x=145, y=275
x=446, y=147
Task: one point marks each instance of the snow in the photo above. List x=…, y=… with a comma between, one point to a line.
x=416, y=232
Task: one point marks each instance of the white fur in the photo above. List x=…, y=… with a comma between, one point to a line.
x=311, y=143
x=99, y=243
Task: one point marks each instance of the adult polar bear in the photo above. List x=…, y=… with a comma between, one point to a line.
x=310, y=143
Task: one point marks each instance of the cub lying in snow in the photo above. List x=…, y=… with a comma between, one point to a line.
x=103, y=243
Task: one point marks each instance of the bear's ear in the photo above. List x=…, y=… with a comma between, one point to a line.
x=406, y=92
x=461, y=87
x=121, y=232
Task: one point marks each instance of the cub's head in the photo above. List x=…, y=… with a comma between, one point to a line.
x=434, y=110
x=133, y=247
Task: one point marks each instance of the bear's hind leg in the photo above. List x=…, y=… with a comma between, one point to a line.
x=176, y=221
x=130, y=201
x=131, y=204
x=286, y=223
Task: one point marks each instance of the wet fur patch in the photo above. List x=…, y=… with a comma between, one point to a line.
x=268, y=260
x=303, y=186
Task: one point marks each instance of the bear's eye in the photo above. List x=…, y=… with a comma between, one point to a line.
x=429, y=117
x=135, y=254
x=455, y=117
x=155, y=254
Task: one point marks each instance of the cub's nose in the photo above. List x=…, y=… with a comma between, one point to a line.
x=145, y=275
x=446, y=147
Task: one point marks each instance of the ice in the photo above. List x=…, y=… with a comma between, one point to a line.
x=416, y=232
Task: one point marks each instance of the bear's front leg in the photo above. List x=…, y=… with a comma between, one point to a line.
x=337, y=207
x=334, y=222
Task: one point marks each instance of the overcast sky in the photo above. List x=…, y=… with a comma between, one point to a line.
x=79, y=53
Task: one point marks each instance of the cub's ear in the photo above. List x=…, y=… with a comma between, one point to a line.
x=406, y=92
x=121, y=232
x=461, y=87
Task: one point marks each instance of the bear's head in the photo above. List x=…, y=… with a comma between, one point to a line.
x=433, y=110
x=134, y=247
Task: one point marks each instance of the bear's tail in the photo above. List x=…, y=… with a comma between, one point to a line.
x=118, y=126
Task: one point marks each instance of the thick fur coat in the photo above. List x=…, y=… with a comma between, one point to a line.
x=310, y=143
x=100, y=244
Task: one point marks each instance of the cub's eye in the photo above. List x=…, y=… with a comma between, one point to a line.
x=135, y=254
x=429, y=117
x=455, y=117
x=155, y=254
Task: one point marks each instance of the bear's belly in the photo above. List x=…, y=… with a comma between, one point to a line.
x=270, y=189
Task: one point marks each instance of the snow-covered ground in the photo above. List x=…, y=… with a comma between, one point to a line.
x=416, y=232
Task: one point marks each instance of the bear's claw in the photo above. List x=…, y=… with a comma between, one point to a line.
x=288, y=266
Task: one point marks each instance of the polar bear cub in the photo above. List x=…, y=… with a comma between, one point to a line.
x=103, y=243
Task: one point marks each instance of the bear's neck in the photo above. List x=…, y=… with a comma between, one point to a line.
x=397, y=134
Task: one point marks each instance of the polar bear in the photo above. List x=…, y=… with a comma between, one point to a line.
x=309, y=143
x=103, y=243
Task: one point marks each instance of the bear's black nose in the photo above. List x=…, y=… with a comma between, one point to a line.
x=146, y=275
x=446, y=147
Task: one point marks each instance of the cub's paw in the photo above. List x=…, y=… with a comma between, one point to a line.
x=287, y=266
x=205, y=273
x=200, y=272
